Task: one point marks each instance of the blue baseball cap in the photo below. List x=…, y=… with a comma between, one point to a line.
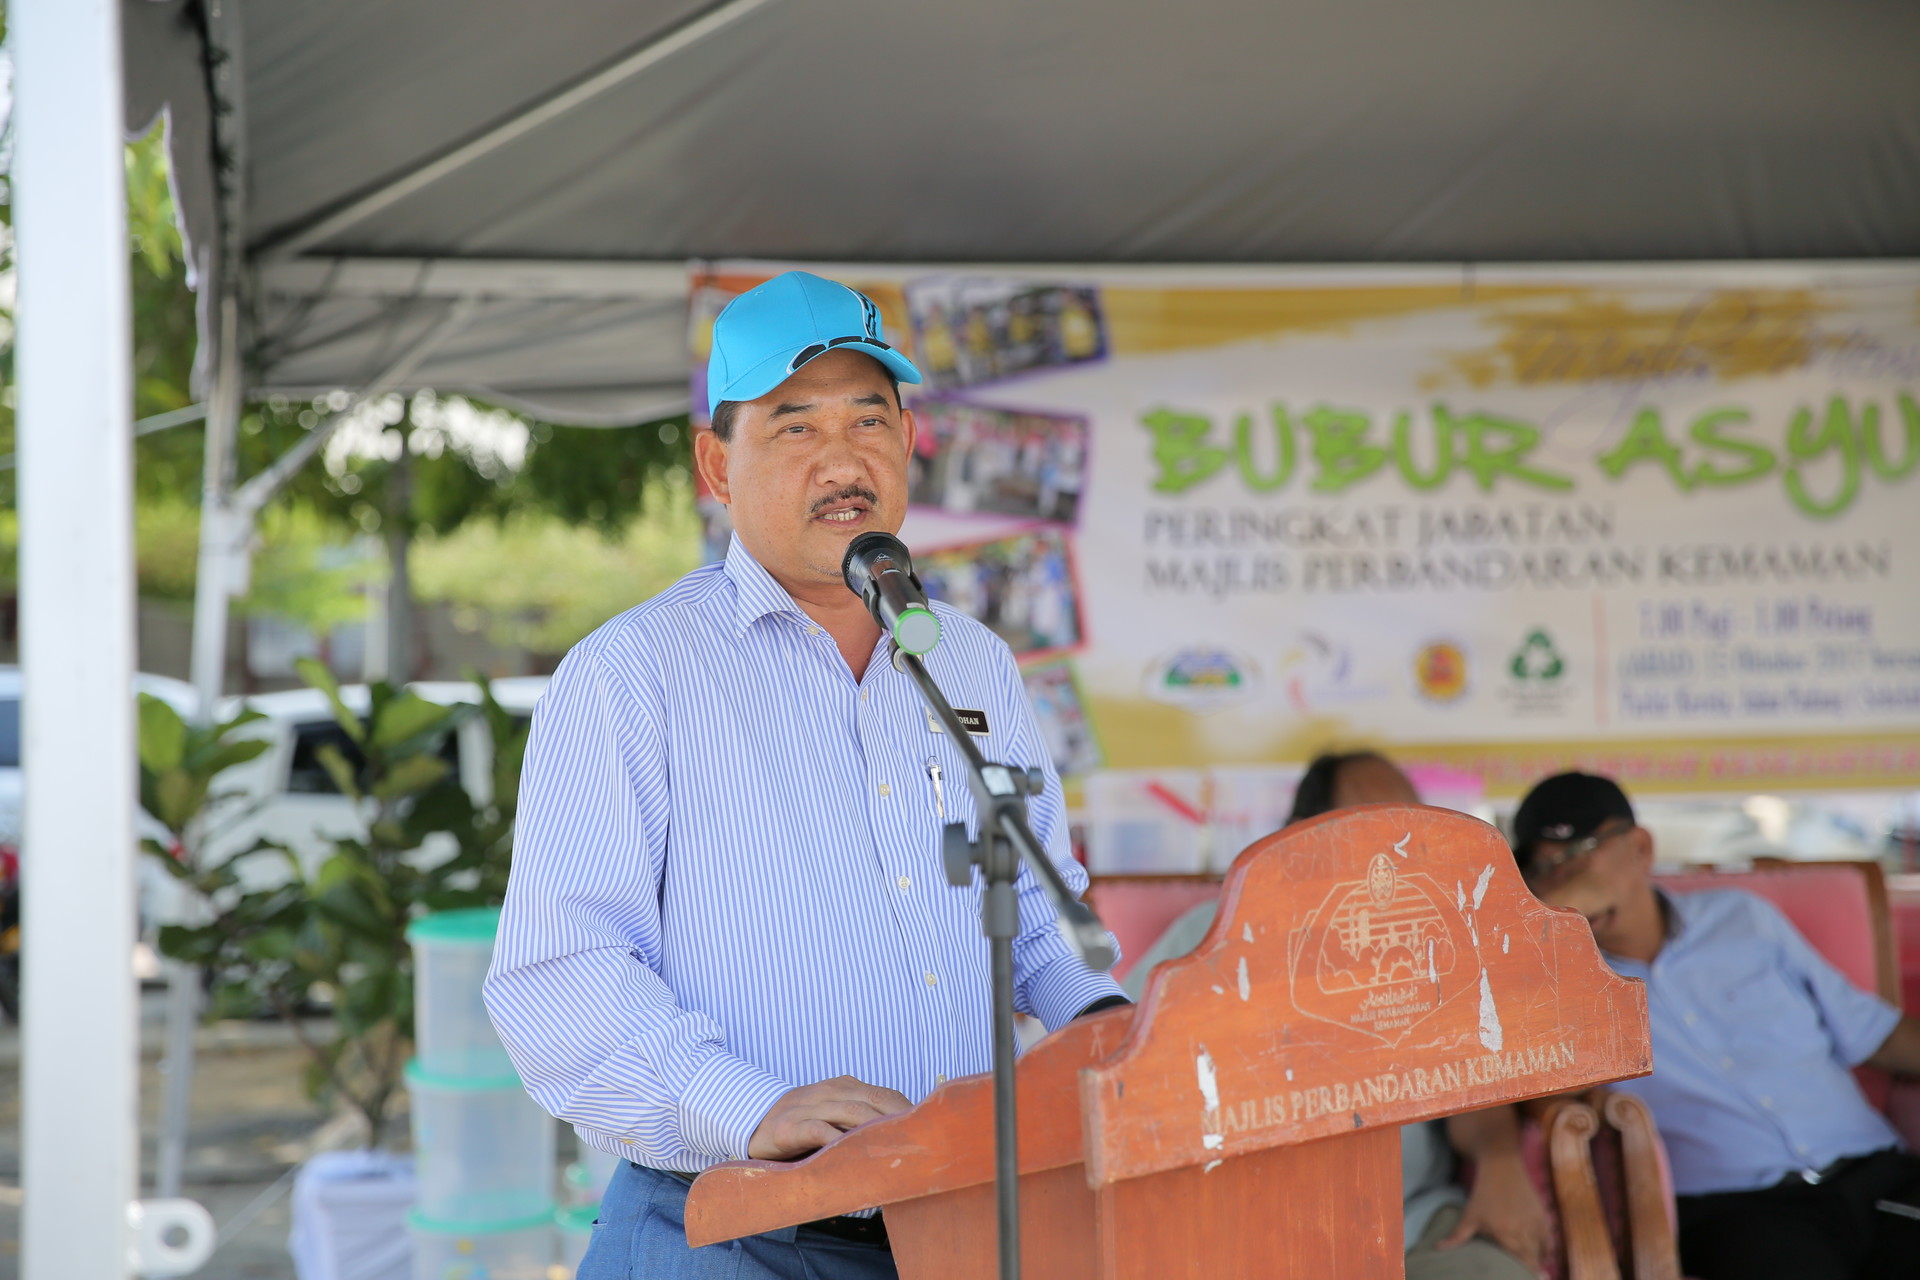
x=763, y=336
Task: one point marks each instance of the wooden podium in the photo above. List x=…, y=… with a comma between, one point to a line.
x=1366, y=970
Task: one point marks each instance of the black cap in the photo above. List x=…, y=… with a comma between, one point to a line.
x=1567, y=806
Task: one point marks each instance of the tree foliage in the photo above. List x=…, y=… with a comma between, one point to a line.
x=277, y=940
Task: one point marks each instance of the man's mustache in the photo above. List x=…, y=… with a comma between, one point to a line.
x=841, y=495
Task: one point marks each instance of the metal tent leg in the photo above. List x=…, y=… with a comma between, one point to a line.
x=79, y=1117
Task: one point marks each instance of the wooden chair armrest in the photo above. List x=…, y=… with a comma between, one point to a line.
x=1570, y=1126
x=1649, y=1227
x=1903, y=1109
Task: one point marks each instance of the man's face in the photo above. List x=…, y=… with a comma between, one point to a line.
x=1369, y=780
x=820, y=458
x=1607, y=879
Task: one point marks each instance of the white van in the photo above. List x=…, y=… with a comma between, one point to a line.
x=287, y=796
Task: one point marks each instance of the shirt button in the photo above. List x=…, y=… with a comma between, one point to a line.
x=1689, y=1018
x=939, y=1079
x=812, y=630
x=904, y=883
x=885, y=790
x=863, y=694
x=1766, y=1103
x=932, y=981
x=1800, y=1149
x=1726, y=1063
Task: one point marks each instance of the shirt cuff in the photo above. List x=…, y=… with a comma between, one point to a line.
x=1872, y=1033
x=724, y=1103
x=1059, y=991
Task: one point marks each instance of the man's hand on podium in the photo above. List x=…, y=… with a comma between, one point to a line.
x=808, y=1118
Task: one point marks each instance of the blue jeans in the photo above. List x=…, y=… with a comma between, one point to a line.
x=642, y=1235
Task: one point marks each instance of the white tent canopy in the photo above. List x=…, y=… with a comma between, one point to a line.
x=559, y=165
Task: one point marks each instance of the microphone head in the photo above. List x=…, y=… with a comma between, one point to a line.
x=863, y=550
x=915, y=628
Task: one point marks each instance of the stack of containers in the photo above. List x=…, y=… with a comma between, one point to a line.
x=483, y=1150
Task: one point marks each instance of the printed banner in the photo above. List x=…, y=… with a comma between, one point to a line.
x=1659, y=520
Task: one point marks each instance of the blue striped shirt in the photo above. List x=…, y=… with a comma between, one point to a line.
x=726, y=876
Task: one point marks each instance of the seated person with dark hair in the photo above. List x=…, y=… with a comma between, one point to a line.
x=1778, y=1159
x=1500, y=1231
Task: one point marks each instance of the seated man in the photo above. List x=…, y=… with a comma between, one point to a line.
x=1500, y=1231
x=1778, y=1159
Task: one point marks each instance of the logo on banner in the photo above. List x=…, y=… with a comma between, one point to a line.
x=1201, y=679
x=1536, y=677
x=1319, y=673
x=1440, y=671
x=1536, y=659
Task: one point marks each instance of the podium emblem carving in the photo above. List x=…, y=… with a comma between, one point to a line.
x=1380, y=955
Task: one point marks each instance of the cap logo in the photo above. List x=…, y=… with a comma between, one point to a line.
x=869, y=315
x=1558, y=831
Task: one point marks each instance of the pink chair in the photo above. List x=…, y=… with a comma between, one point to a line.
x=1138, y=909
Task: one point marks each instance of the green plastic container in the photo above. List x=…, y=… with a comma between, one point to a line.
x=483, y=1151
x=513, y=1249
x=452, y=1033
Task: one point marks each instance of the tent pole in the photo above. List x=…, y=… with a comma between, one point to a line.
x=222, y=538
x=214, y=581
x=79, y=1118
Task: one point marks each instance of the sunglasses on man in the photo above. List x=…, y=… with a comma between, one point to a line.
x=821, y=348
x=1545, y=873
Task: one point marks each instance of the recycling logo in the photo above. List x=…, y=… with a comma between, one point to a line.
x=1537, y=660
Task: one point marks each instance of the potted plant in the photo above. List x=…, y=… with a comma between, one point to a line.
x=289, y=938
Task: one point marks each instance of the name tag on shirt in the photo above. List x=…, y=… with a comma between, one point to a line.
x=975, y=722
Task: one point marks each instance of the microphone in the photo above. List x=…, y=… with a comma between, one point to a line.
x=879, y=570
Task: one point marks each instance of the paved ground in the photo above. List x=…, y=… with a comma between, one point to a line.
x=251, y=1124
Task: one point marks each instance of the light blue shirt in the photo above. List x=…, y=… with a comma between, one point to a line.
x=1753, y=1037
x=726, y=877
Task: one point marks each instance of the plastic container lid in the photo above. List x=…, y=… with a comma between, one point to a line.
x=578, y=1219
x=498, y=1227
x=467, y=927
x=416, y=1074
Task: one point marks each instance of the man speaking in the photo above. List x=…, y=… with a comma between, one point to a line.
x=727, y=933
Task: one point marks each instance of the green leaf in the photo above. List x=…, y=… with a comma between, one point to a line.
x=218, y=757
x=316, y=675
x=339, y=769
x=177, y=796
x=410, y=777
x=408, y=716
x=271, y=944
x=163, y=734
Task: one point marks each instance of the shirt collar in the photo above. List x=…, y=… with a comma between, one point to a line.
x=1670, y=913
x=755, y=593
x=1672, y=917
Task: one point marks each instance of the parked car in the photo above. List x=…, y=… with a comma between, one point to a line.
x=181, y=696
x=178, y=693
x=286, y=795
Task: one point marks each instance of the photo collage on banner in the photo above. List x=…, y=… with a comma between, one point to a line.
x=1656, y=521
x=994, y=486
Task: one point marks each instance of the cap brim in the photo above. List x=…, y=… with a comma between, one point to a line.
x=774, y=370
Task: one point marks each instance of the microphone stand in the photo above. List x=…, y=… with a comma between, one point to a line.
x=1000, y=800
